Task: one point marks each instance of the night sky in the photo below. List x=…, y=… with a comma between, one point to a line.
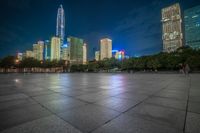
x=134, y=26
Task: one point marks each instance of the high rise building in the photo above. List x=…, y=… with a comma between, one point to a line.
x=105, y=48
x=192, y=27
x=76, y=50
x=29, y=54
x=97, y=55
x=84, y=53
x=65, y=54
x=38, y=50
x=55, y=48
x=60, y=26
x=172, y=28
x=47, y=50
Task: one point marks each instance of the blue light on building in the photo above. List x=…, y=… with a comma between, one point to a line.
x=47, y=50
x=65, y=45
x=114, y=51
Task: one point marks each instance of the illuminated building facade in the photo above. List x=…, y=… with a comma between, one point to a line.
x=38, y=50
x=84, y=53
x=60, y=26
x=76, y=50
x=65, y=53
x=172, y=28
x=55, y=48
x=192, y=27
x=29, y=54
x=105, y=48
x=97, y=55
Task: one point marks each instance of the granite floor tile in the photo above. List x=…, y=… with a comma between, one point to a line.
x=49, y=97
x=168, y=102
x=132, y=96
x=118, y=104
x=127, y=124
x=89, y=117
x=13, y=97
x=58, y=106
x=159, y=114
x=14, y=104
x=193, y=123
x=10, y=118
x=50, y=124
x=194, y=107
x=174, y=95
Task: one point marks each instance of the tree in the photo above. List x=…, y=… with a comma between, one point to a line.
x=194, y=62
x=74, y=68
x=8, y=62
x=127, y=64
x=93, y=66
x=30, y=63
x=153, y=63
x=139, y=63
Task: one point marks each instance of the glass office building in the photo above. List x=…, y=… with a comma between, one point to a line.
x=192, y=27
x=76, y=50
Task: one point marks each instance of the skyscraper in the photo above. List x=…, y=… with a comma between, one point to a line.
x=55, y=48
x=38, y=50
x=60, y=26
x=76, y=50
x=172, y=28
x=105, y=48
x=84, y=53
x=192, y=27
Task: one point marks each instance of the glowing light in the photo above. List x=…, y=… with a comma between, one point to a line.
x=16, y=61
x=120, y=56
x=65, y=45
x=16, y=80
x=113, y=51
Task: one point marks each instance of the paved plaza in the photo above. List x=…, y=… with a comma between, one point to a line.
x=99, y=103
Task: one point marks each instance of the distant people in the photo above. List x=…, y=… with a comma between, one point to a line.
x=187, y=69
x=181, y=68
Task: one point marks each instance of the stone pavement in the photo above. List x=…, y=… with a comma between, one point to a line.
x=99, y=103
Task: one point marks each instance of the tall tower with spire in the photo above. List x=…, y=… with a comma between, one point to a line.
x=60, y=26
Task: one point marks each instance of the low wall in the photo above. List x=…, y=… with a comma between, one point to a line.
x=32, y=70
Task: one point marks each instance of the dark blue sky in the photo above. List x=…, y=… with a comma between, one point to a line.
x=132, y=25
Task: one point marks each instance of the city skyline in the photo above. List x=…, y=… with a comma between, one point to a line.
x=137, y=48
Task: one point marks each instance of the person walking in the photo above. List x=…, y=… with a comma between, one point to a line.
x=181, y=68
x=187, y=69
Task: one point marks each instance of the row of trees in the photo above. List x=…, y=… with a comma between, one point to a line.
x=161, y=61
x=12, y=62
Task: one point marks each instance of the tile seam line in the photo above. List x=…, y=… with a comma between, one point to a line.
x=184, y=127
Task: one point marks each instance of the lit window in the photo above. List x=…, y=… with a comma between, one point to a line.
x=195, y=16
